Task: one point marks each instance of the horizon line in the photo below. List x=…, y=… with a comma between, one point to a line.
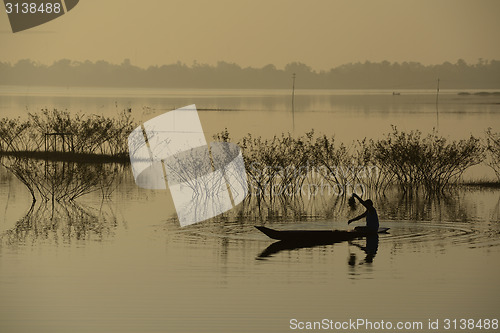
x=194, y=64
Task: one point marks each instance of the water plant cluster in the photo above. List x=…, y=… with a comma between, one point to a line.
x=59, y=131
x=431, y=161
x=58, y=156
x=63, y=181
x=493, y=149
x=317, y=164
x=281, y=166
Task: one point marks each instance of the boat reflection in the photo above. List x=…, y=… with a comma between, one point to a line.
x=285, y=245
x=370, y=248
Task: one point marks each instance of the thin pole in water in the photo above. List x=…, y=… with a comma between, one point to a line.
x=437, y=108
x=293, y=106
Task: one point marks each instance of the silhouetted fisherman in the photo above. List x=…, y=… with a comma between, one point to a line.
x=370, y=214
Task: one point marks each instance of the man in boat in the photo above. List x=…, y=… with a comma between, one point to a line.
x=370, y=214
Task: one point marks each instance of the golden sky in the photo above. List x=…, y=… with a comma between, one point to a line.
x=320, y=33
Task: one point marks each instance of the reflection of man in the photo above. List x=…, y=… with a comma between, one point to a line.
x=370, y=214
x=370, y=249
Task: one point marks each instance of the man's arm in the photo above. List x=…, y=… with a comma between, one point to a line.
x=357, y=218
x=360, y=200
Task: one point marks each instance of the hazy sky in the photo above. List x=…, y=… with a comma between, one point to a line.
x=320, y=33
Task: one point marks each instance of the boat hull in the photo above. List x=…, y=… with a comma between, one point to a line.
x=317, y=235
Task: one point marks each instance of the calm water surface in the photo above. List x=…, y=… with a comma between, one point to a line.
x=348, y=114
x=124, y=265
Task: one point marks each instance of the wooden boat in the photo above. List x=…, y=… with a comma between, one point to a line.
x=317, y=236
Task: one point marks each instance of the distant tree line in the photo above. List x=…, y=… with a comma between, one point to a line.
x=485, y=74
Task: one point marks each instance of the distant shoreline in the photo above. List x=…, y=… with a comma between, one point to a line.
x=225, y=75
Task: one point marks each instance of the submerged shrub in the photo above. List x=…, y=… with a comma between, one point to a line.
x=60, y=177
x=493, y=151
x=286, y=166
x=430, y=162
x=271, y=163
x=14, y=135
x=283, y=164
x=70, y=133
x=62, y=181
